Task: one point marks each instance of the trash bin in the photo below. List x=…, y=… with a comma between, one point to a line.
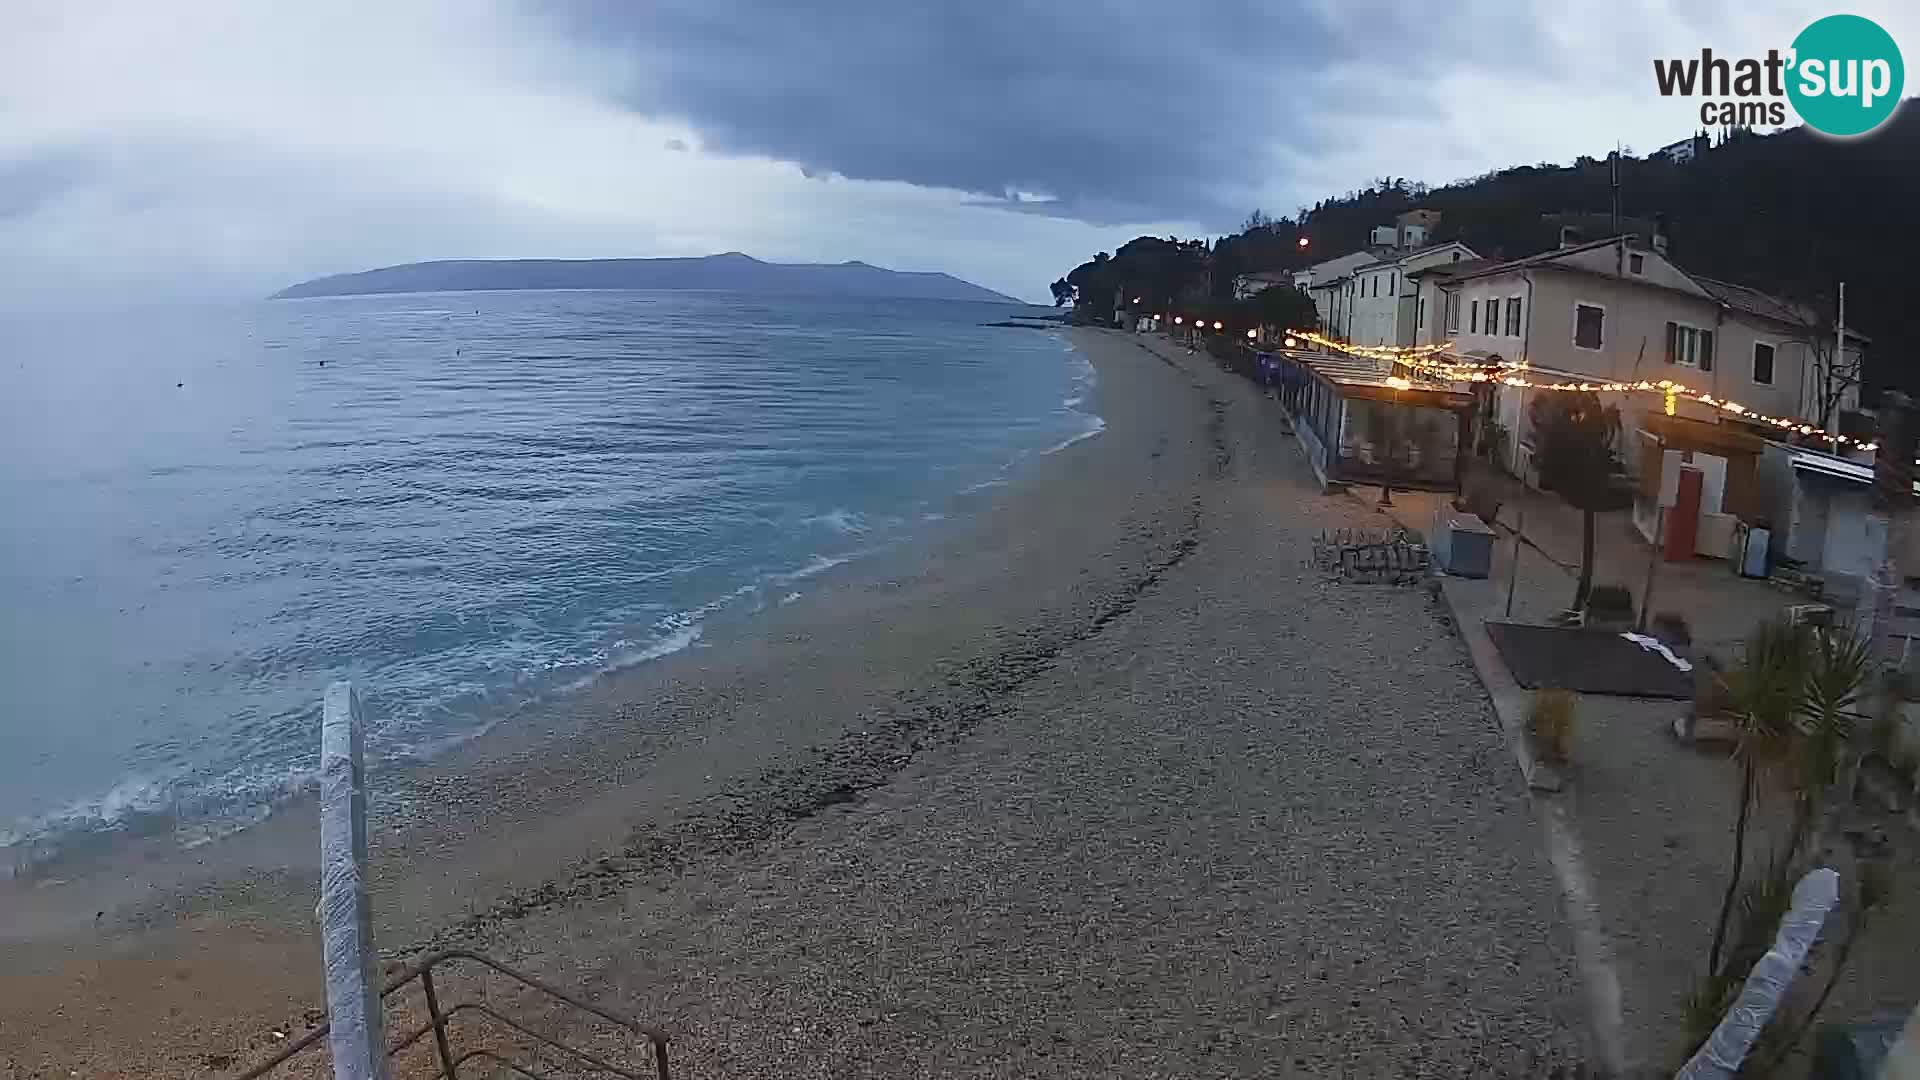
x=1462, y=544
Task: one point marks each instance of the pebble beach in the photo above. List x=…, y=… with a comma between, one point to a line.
x=1101, y=776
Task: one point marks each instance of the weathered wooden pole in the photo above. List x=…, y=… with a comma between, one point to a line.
x=1772, y=976
x=357, y=1035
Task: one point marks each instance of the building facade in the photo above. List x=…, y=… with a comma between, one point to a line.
x=1615, y=312
x=1326, y=282
x=1384, y=305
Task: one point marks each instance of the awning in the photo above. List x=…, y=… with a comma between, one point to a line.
x=1833, y=466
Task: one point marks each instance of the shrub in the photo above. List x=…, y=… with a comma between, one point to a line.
x=1550, y=724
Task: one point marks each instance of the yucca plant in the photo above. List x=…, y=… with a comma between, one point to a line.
x=1834, y=677
x=1764, y=693
x=1791, y=699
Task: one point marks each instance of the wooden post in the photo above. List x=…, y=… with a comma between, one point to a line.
x=1513, y=567
x=357, y=1035
x=1653, y=560
x=1772, y=976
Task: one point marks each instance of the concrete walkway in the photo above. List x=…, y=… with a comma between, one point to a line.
x=1638, y=826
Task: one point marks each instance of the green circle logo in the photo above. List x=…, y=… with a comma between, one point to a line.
x=1847, y=75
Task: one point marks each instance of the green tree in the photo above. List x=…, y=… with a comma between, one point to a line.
x=1062, y=292
x=1574, y=437
x=1283, y=306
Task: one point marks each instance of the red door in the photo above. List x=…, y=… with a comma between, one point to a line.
x=1683, y=517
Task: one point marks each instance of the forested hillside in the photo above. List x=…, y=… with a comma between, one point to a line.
x=1793, y=213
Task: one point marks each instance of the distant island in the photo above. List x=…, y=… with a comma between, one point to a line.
x=731, y=272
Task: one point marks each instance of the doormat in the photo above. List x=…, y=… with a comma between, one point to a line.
x=1586, y=662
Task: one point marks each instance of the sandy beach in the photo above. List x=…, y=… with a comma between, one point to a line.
x=1099, y=775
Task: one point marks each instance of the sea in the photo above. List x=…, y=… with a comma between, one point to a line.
x=464, y=502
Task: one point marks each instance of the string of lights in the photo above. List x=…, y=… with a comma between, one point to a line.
x=1440, y=360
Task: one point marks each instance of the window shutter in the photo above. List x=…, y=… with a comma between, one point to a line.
x=1706, y=350
x=1673, y=342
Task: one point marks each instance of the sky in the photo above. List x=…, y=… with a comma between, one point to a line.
x=223, y=150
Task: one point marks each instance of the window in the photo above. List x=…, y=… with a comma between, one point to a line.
x=1589, y=326
x=1393, y=285
x=1513, y=316
x=1420, y=313
x=1456, y=256
x=1763, y=363
x=1637, y=264
x=1689, y=346
x=1453, y=313
x=1473, y=317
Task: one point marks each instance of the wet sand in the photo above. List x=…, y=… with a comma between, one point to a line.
x=1104, y=716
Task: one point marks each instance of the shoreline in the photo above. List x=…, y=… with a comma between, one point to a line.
x=138, y=892
x=148, y=835
x=1041, y=748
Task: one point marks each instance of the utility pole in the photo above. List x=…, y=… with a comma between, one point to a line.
x=1831, y=404
x=1893, y=508
x=1613, y=179
x=1893, y=501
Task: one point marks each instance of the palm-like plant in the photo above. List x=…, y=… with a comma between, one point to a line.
x=1766, y=690
x=1791, y=698
x=1835, y=678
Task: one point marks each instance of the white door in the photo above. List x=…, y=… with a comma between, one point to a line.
x=1849, y=546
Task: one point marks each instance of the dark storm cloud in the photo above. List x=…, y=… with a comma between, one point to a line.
x=1114, y=112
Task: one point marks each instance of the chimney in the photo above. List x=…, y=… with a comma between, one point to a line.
x=1569, y=236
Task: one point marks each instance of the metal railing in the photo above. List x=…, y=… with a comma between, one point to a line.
x=439, y=1017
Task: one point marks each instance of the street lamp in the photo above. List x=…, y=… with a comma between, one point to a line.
x=1252, y=335
x=1302, y=241
x=1291, y=342
x=1218, y=325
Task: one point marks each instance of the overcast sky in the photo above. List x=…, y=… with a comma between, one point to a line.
x=201, y=149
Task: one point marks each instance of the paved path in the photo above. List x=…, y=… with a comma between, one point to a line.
x=1254, y=823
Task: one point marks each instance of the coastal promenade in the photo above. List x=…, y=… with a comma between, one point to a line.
x=1105, y=778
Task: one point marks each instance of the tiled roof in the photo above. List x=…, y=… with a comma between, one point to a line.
x=1549, y=255
x=1753, y=301
x=1464, y=266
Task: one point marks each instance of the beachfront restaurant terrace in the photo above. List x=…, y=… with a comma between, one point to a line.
x=1369, y=421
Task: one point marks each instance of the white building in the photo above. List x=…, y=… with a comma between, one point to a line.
x=1326, y=281
x=1383, y=304
x=1612, y=311
x=1684, y=151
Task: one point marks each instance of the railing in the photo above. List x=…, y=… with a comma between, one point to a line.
x=440, y=1016
x=356, y=1003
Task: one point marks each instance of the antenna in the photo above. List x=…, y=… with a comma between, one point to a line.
x=1613, y=179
